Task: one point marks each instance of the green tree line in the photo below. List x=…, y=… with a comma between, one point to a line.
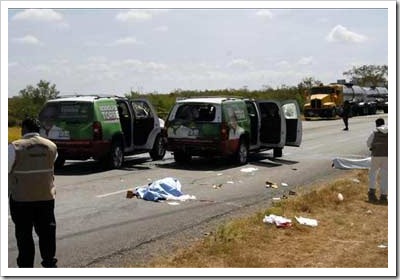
x=30, y=100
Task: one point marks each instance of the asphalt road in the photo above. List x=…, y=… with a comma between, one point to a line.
x=97, y=226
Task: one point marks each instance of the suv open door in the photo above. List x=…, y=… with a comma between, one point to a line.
x=294, y=129
x=272, y=124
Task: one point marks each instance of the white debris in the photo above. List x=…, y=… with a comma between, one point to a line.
x=173, y=203
x=248, y=169
x=279, y=221
x=307, y=221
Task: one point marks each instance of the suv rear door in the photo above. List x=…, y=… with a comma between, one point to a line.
x=144, y=122
x=67, y=120
x=294, y=128
x=273, y=124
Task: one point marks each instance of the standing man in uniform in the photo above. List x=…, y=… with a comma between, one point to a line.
x=346, y=114
x=378, y=144
x=32, y=194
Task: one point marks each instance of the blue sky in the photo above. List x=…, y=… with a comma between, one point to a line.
x=112, y=51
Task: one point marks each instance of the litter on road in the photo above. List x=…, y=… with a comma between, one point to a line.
x=307, y=221
x=271, y=185
x=279, y=221
x=248, y=169
x=164, y=189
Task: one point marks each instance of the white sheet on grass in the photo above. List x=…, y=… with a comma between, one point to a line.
x=348, y=163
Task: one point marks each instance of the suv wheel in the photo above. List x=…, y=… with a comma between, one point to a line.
x=277, y=152
x=181, y=157
x=242, y=153
x=59, y=162
x=159, y=148
x=116, y=156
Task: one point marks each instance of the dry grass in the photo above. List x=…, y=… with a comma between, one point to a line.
x=347, y=235
x=14, y=133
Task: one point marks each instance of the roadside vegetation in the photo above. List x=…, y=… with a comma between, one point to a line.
x=351, y=233
x=30, y=100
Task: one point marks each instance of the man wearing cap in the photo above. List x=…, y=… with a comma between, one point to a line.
x=32, y=194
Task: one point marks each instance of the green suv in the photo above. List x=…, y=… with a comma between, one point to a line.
x=232, y=127
x=102, y=128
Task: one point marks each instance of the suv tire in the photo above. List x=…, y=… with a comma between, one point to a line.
x=242, y=153
x=115, y=158
x=277, y=152
x=159, y=148
x=59, y=162
x=181, y=157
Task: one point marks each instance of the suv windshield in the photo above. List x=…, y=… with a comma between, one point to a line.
x=67, y=111
x=196, y=112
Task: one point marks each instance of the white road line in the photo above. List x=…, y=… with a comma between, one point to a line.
x=108, y=194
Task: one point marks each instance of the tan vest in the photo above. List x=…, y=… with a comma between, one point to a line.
x=32, y=176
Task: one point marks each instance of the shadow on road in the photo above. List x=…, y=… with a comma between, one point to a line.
x=200, y=164
x=219, y=164
x=74, y=168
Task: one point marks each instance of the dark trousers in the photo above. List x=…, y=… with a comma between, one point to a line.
x=346, y=121
x=40, y=216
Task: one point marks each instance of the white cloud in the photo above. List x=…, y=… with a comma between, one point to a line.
x=141, y=66
x=126, y=41
x=265, y=14
x=341, y=34
x=28, y=40
x=42, y=68
x=134, y=15
x=162, y=28
x=240, y=63
x=47, y=15
x=91, y=43
x=282, y=63
x=305, y=60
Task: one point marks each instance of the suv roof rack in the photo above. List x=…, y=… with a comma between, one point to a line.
x=211, y=96
x=91, y=95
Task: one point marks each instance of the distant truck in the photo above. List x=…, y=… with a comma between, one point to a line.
x=326, y=101
x=231, y=127
x=379, y=96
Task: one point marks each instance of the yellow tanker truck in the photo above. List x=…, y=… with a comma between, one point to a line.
x=326, y=101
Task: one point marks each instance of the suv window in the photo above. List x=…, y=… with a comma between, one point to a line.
x=142, y=109
x=196, y=112
x=68, y=111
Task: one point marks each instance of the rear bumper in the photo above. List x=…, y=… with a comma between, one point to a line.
x=82, y=150
x=196, y=147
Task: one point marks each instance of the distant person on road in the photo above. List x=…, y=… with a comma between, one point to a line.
x=346, y=114
x=378, y=144
x=32, y=194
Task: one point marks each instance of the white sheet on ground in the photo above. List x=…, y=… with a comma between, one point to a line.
x=164, y=189
x=348, y=163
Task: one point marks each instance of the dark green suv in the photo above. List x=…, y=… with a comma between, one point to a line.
x=102, y=128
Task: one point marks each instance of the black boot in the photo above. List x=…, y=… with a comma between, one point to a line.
x=383, y=199
x=371, y=196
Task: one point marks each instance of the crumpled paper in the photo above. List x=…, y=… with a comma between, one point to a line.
x=307, y=221
x=279, y=221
